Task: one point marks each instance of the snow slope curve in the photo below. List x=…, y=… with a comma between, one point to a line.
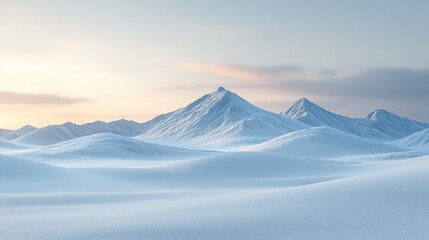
x=418, y=141
x=323, y=142
x=107, y=146
x=6, y=146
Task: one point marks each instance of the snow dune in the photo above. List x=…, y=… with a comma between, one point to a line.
x=389, y=203
x=323, y=142
x=418, y=141
x=7, y=146
x=107, y=146
x=309, y=174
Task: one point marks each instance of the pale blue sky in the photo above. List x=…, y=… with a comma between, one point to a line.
x=137, y=59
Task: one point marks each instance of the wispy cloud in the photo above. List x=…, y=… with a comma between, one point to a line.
x=9, y=97
x=377, y=83
x=249, y=73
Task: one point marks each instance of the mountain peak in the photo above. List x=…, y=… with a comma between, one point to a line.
x=379, y=113
x=221, y=89
x=394, y=125
x=300, y=108
x=304, y=102
x=221, y=118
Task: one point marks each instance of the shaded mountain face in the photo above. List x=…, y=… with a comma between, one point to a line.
x=220, y=118
x=378, y=125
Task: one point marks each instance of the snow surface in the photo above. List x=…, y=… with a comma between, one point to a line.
x=386, y=202
x=106, y=146
x=418, y=141
x=6, y=146
x=271, y=177
x=325, y=142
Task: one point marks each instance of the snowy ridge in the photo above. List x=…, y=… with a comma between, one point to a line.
x=378, y=125
x=107, y=146
x=221, y=119
x=59, y=133
x=218, y=119
x=394, y=125
x=323, y=142
x=13, y=134
x=418, y=141
x=274, y=177
x=10, y=146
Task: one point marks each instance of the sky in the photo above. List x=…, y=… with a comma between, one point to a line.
x=82, y=61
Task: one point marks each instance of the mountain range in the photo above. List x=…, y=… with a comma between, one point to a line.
x=222, y=119
x=379, y=124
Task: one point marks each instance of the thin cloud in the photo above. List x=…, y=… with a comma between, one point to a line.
x=402, y=90
x=389, y=83
x=8, y=97
x=248, y=73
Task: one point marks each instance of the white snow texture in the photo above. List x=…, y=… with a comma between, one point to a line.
x=219, y=168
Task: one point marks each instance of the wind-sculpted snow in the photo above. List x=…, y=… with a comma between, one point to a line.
x=418, y=141
x=323, y=142
x=107, y=146
x=321, y=176
x=7, y=146
x=220, y=118
x=387, y=202
x=378, y=125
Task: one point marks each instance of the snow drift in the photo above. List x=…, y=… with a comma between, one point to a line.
x=107, y=146
x=322, y=142
x=418, y=141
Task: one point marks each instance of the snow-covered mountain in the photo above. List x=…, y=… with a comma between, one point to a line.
x=378, y=125
x=224, y=119
x=311, y=114
x=418, y=141
x=323, y=142
x=106, y=146
x=57, y=133
x=394, y=125
x=220, y=118
x=13, y=134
